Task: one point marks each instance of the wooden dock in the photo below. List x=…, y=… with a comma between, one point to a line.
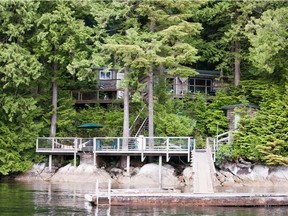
x=215, y=199
x=116, y=146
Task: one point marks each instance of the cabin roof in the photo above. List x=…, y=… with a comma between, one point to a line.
x=232, y=106
x=208, y=72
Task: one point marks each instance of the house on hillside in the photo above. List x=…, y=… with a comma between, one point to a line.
x=106, y=91
x=108, y=88
x=206, y=81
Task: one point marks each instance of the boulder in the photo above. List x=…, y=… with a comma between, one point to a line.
x=83, y=173
x=278, y=174
x=188, y=176
x=39, y=172
x=148, y=176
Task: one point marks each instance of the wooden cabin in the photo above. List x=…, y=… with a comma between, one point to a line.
x=204, y=82
x=106, y=91
x=108, y=88
x=234, y=113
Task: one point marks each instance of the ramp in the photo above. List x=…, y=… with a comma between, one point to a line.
x=202, y=178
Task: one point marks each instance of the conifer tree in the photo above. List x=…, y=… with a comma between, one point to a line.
x=60, y=39
x=165, y=30
x=269, y=42
x=19, y=70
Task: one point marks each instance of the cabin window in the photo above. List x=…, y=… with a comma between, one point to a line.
x=170, y=85
x=105, y=75
x=200, y=85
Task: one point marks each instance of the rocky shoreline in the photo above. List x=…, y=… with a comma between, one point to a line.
x=148, y=175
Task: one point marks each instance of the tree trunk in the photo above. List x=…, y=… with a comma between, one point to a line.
x=126, y=130
x=54, y=102
x=54, y=109
x=150, y=105
x=237, y=60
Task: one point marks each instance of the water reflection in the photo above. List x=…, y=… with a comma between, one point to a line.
x=40, y=198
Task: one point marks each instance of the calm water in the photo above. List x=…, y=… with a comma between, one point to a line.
x=68, y=199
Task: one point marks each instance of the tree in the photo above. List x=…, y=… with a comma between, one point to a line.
x=223, y=42
x=60, y=40
x=269, y=42
x=166, y=30
x=263, y=138
x=19, y=69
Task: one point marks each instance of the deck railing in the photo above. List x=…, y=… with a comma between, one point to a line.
x=139, y=144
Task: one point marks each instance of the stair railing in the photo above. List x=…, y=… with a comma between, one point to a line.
x=135, y=122
x=141, y=127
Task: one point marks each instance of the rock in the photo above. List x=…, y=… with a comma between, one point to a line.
x=83, y=173
x=86, y=158
x=278, y=174
x=148, y=176
x=188, y=176
x=260, y=173
x=115, y=172
x=39, y=172
x=134, y=170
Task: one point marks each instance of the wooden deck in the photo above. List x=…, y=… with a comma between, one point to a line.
x=138, y=146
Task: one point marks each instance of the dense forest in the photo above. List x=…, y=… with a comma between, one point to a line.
x=48, y=48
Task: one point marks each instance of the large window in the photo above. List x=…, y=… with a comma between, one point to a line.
x=200, y=85
x=105, y=75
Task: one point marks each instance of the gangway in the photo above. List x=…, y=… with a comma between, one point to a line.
x=203, y=170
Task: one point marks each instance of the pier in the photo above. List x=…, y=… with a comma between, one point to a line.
x=116, y=146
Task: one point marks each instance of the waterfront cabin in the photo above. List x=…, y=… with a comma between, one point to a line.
x=108, y=90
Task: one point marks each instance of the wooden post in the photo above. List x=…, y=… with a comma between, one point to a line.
x=109, y=191
x=160, y=171
x=75, y=158
x=128, y=165
x=189, y=148
x=97, y=192
x=50, y=162
x=94, y=152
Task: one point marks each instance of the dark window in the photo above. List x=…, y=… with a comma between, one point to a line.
x=105, y=75
x=200, y=85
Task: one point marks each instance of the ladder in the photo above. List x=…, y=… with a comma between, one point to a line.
x=103, y=197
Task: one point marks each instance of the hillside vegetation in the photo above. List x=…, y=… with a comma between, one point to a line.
x=48, y=48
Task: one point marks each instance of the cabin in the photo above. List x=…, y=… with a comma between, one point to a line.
x=206, y=81
x=234, y=113
x=108, y=89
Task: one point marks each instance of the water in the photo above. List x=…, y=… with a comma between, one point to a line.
x=40, y=198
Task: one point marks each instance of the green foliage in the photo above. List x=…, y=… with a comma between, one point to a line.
x=275, y=153
x=170, y=124
x=64, y=41
x=266, y=130
x=17, y=134
x=216, y=120
x=268, y=37
x=111, y=119
x=223, y=155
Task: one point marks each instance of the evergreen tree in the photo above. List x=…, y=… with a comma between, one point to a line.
x=19, y=69
x=224, y=43
x=269, y=42
x=60, y=40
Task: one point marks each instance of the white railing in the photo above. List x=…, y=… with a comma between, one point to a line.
x=224, y=138
x=215, y=143
x=115, y=143
x=57, y=143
